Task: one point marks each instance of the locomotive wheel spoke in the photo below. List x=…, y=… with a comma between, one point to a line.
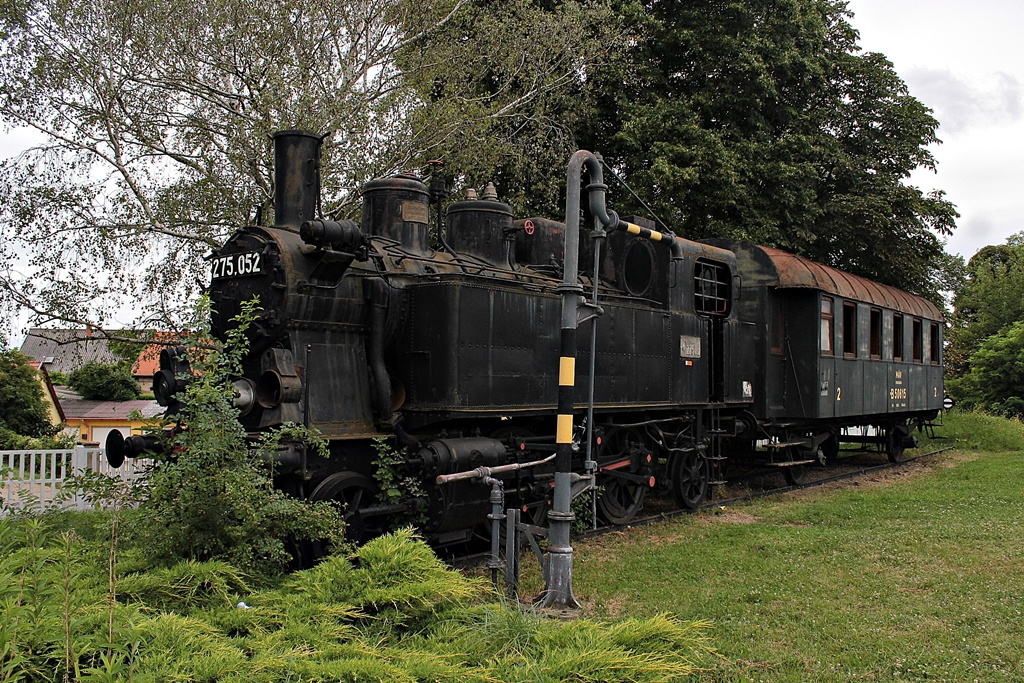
x=690, y=479
x=620, y=499
x=354, y=492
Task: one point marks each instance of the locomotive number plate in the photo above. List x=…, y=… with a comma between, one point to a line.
x=237, y=265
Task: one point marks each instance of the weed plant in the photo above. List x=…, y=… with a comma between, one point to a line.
x=212, y=499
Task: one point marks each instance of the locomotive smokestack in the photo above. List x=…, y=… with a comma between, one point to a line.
x=296, y=177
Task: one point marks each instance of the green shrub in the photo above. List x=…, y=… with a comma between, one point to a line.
x=58, y=378
x=187, y=586
x=9, y=440
x=105, y=381
x=213, y=499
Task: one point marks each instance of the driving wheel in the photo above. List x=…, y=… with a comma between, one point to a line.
x=355, y=492
x=622, y=453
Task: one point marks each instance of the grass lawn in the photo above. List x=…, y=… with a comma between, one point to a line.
x=916, y=575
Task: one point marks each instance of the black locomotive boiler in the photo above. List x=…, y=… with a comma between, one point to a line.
x=447, y=346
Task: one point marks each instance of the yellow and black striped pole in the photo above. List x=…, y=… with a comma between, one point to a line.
x=665, y=238
x=566, y=386
x=558, y=592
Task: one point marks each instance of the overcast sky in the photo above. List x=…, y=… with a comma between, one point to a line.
x=965, y=61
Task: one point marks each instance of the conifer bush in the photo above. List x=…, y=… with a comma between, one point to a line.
x=390, y=611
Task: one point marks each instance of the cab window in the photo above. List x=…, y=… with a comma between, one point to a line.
x=711, y=293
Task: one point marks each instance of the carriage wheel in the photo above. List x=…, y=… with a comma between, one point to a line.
x=691, y=479
x=795, y=475
x=830, y=449
x=894, y=444
x=621, y=499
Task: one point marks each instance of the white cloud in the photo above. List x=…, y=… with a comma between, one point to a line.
x=961, y=103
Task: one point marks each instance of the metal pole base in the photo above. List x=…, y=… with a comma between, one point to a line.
x=558, y=593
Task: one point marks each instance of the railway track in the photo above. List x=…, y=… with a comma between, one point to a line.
x=748, y=485
x=850, y=471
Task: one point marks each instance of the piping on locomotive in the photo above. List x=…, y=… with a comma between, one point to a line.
x=704, y=352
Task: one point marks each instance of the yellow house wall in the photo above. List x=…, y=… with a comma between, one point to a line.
x=51, y=407
x=87, y=428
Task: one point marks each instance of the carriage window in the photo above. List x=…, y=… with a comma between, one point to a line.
x=849, y=329
x=711, y=288
x=826, y=326
x=897, y=337
x=876, y=333
x=918, y=341
x=934, y=352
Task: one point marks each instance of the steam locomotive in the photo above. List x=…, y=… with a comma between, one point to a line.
x=442, y=342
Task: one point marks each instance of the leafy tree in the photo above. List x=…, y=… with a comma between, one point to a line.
x=524, y=148
x=156, y=115
x=22, y=410
x=763, y=120
x=995, y=381
x=59, y=378
x=988, y=300
x=105, y=381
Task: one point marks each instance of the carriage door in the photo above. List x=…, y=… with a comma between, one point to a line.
x=711, y=298
x=779, y=369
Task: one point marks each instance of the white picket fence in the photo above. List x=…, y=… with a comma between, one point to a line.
x=35, y=479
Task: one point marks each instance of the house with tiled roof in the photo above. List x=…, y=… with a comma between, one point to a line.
x=68, y=350
x=91, y=421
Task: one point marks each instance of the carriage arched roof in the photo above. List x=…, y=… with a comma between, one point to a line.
x=797, y=272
